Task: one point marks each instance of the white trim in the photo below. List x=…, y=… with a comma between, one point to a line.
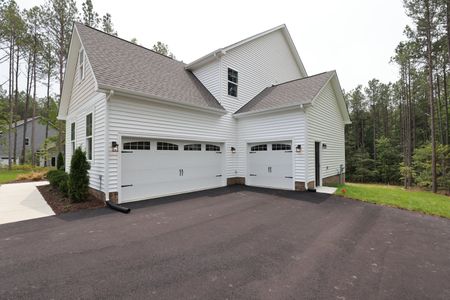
x=91, y=111
x=269, y=111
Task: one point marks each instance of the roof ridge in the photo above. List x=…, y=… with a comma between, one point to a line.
x=122, y=39
x=298, y=79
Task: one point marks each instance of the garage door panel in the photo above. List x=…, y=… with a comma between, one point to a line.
x=268, y=167
x=154, y=173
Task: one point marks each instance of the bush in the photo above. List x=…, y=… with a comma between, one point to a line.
x=55, y=177
x=60, y=161
x=79, y=177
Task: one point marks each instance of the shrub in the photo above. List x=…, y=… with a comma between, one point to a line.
x=55, y=177
x=60, y=161
x=79, y=177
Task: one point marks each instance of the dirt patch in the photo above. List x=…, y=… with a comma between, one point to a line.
x=61, y=204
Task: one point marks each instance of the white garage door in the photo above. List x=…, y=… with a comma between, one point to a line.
x=155, y=168
x=270, y=165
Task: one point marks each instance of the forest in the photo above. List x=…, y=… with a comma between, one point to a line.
x=399, y=133
x=400, y=130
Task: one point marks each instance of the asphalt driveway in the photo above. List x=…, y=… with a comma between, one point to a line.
x=230, y=243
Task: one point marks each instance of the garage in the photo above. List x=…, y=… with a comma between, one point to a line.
x=270, y=165
x=155, y=168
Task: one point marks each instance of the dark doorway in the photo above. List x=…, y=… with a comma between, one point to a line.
x=317, y=162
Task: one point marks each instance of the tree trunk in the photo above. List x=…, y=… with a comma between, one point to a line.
x=447, y=129
x=16, y=104
x=25, y=113
x=11, y=109
x=33, y=125
x=430, y=96
x=441, y=133
x=47, y=106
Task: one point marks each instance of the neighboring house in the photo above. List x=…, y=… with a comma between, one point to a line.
x=38, y=141
x=244, y=114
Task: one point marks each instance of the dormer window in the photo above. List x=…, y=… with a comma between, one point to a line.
x=232, y=82
x=81, y=64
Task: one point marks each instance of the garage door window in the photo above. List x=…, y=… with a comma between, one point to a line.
x=262, y=147
x=276, y=147
x=166, y=146
x=193, y=147
x=140, y=145
x=212, y=148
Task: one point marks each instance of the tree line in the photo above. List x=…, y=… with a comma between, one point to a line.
x=400, y=131
x=34, y=45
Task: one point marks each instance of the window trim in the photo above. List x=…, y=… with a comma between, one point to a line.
x=160, y=144
x=135, y=145
x=89, y=137
x=258, y=147
x=232, y=82
x=192, y=147
x=73, y=136
x=81, y=63
x=281, y=147
x=215, y=148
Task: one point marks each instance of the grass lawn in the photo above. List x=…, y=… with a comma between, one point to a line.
x=8, y=176
x=422, y=201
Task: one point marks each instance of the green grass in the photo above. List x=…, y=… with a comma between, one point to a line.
x=8, y=176
x=395, y=196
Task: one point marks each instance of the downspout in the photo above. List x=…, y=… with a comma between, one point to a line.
x=106, y=168
x=306, y=161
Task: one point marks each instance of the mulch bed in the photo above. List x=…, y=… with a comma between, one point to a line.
x=61, y=204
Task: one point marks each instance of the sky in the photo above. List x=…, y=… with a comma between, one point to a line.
x=355, y=37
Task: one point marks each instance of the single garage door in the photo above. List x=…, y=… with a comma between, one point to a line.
x=270, y=165
x=155, y=168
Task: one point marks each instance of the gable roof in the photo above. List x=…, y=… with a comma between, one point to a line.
x=129, y=68
x=222, y=51
x=295, y=93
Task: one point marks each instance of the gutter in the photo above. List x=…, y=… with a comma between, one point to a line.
x=271, y=110
x=106, y=168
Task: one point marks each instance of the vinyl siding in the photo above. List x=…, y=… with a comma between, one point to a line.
x=260, y=64
x=279, y=126
x=209, y=77
x=149, y=119
x=83, y=89
x=96, y=106
x=325, y=124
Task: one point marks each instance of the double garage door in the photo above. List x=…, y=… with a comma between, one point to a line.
x=155, y=168
x=270, y=165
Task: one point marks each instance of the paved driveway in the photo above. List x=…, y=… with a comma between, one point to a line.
x=22, y=201
x=230, y=243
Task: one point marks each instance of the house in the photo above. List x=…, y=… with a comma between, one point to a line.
x=39, y=142
x=248, y=113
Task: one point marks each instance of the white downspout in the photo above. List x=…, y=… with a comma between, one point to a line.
x=106, y=168
x=306, y=159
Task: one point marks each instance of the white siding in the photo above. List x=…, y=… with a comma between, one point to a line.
x=83, y=89
x=96, y=106
x=279, y=126
x=260, y=64
x=209, y=77
x=325, y=124
x=148, y=119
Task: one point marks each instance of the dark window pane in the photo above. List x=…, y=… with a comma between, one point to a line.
x=262, y=147
x=166, y=146
x=276, y=147
x=232, y=89
x=72, y=131
x=89, y=125
x=193, y=147
x=212, y=148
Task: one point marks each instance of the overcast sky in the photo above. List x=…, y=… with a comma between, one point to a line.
x=355, y=37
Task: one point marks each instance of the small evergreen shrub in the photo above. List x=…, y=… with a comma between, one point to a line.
x=78, y=184
x=60, y=161
x=57, y=178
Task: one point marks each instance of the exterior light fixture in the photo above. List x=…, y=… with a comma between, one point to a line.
x=233, y=150
x=324, y=146
x=298, y=148
x=115, y=147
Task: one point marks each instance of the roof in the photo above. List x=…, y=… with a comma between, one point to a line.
x=125, y=66
x=295, y=92
x=222, y=51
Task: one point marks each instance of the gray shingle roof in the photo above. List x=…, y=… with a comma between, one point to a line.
x=299, y=91
x=123, y=65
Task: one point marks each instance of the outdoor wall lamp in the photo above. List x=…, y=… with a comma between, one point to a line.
x=115, y=147
x=324, y=146
x=298, y=148
x=233, y=150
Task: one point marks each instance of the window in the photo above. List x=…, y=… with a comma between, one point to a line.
x=141, y=145
x=81, y=64
x=72, y=136
x=166, y=146
x=276, y=147
x=89, y=136
x=212, y=148
x=262, y=147
x=27, y=141
x=232, y=82
x=193, y=147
